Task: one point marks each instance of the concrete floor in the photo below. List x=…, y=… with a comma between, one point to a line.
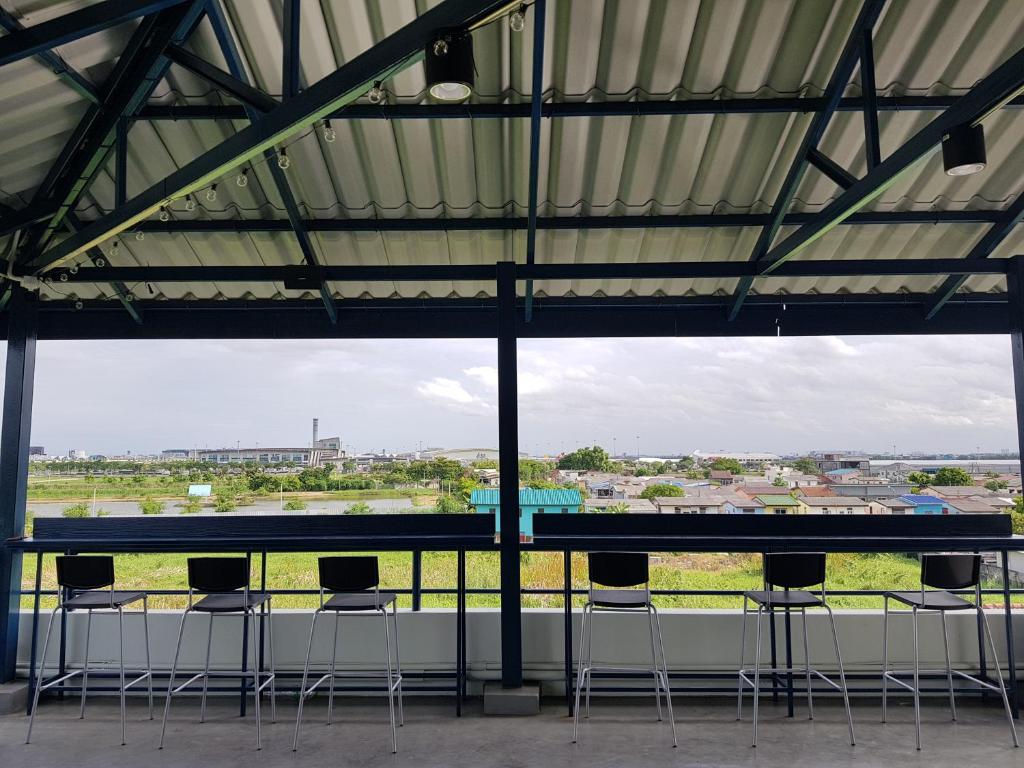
x=619, y=733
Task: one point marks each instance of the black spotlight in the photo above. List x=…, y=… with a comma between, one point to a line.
x=449, y=65
x=963, y=150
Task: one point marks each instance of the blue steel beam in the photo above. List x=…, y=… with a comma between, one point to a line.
x=138, y=70
x=78, y=82
x=830, y=168
x=121, y=291
x=837, y=83
x=225, y=39
x=872, y=143
x=291, y=56
x=236, y=86
x=536, y=97
x=988, y=95
x=747, y=106
x=382, y=61
x=984, y=248
x=304, y=277
x=40, y=38
x=510, y=223
x=14, y=441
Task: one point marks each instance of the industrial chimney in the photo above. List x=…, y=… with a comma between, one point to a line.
x=316, y=429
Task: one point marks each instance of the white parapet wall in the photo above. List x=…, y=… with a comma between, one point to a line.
x=695, y=640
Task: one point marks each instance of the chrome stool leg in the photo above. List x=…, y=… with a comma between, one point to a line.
x=590, y=659
x=999, y=676
x=170, y=686
x=885, y=655
x=390, y=681
x=579, y=673
x=654, y=665
x=149, y=664
x=743, y=648
x=398, y=663
x=272, y=668
x=42, y=671
x=305, y=678
x=334, y=658
x=120, y=658
x=807, y=666
x=842, y=674
x=757, y=669
x=85, y=665
x=917, y=682
x=254, y=660
x=949, y=667
x=206, y=671
x=664, y=667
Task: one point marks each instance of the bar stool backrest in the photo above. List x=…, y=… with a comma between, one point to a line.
x=618, y=569
x=218, y=574
x=85, y=571
x=794, y=570
x=950, y=571
x=349, y=573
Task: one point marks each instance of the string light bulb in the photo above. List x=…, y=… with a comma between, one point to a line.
x=78, y=304
x=211, y=193
x=73, y=269
x=63, y=277
x=517, y=20
x=140, y=235
x=129, y=296
x=190, y=204
x=329, y=133
x=100, y=262
x=282, y=160
x=376, y=94
x=164, y=215
x=242, y=179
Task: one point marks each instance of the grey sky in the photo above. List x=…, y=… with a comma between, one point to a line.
x=921, y=393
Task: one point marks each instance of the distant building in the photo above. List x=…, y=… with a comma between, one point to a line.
x=827, y=462
x=465, y=455
x=779, y=504
x=633, y=506
x=741, y=506
x=870, y=490
x=721, y=476
x=834, y=505
x=748, y=460
x=300, y=456
x=798, y=480
x=967, y=505
x=689, y=505
x=77, y=455
x=894, y=506
x=532, y=501
x=927, y=505
x=36, y=450
x=175, y=454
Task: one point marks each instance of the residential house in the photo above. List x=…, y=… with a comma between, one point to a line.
x=834, y=505
x=721, y=476
x=779, y=504
x=632, y=505
x=758, y=489
x=532, y=501
x=739, y=505
x=927, y=505
x=799, y=480
x=971, y=505
x=688, y=505
x=488, y=477
x=814, y=490
x=870, y=490
x=893, y=506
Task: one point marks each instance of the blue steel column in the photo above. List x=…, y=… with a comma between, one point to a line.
x=14, y=440
x=508, y=464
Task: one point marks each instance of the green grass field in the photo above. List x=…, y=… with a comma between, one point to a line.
x=540, y=570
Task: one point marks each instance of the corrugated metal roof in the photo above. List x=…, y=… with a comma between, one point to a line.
x=777, y=500
x=595, y=51
x=530, y=497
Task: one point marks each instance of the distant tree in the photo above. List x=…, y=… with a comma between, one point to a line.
x=294, y=505
x=191, y=506
x=151, y=506
x=684, y=464
x=779, y=482
x=696, y=474
x=952, y=476
x=620, y=508
x=531, y=470
x=493, y=464
x=727, y=465
x=358, y=508
x=226, y=501
x=919, y=478
x=76, y=510
x=996, y=485
x=644, y=470
x=806, y=465
x=661, y=489
x=450, y=505
x=594, y=459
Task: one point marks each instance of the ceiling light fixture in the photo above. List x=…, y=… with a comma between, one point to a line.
x=329, y=133
x=517, y=19
x=190, y=203
x=963, y=150
x=449, y=66
x=164, y=215
x=282, y=160
x=376, y=93
x=242, y=179
x=211, y=193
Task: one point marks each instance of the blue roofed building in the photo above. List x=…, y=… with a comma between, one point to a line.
x=928, y=505
x=532, y=501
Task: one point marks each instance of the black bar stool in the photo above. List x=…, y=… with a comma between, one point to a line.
x=83, y=582
x=620, y=583
x=354, y=582
x=942, y=572
x=224, y=584
x=794, y=573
